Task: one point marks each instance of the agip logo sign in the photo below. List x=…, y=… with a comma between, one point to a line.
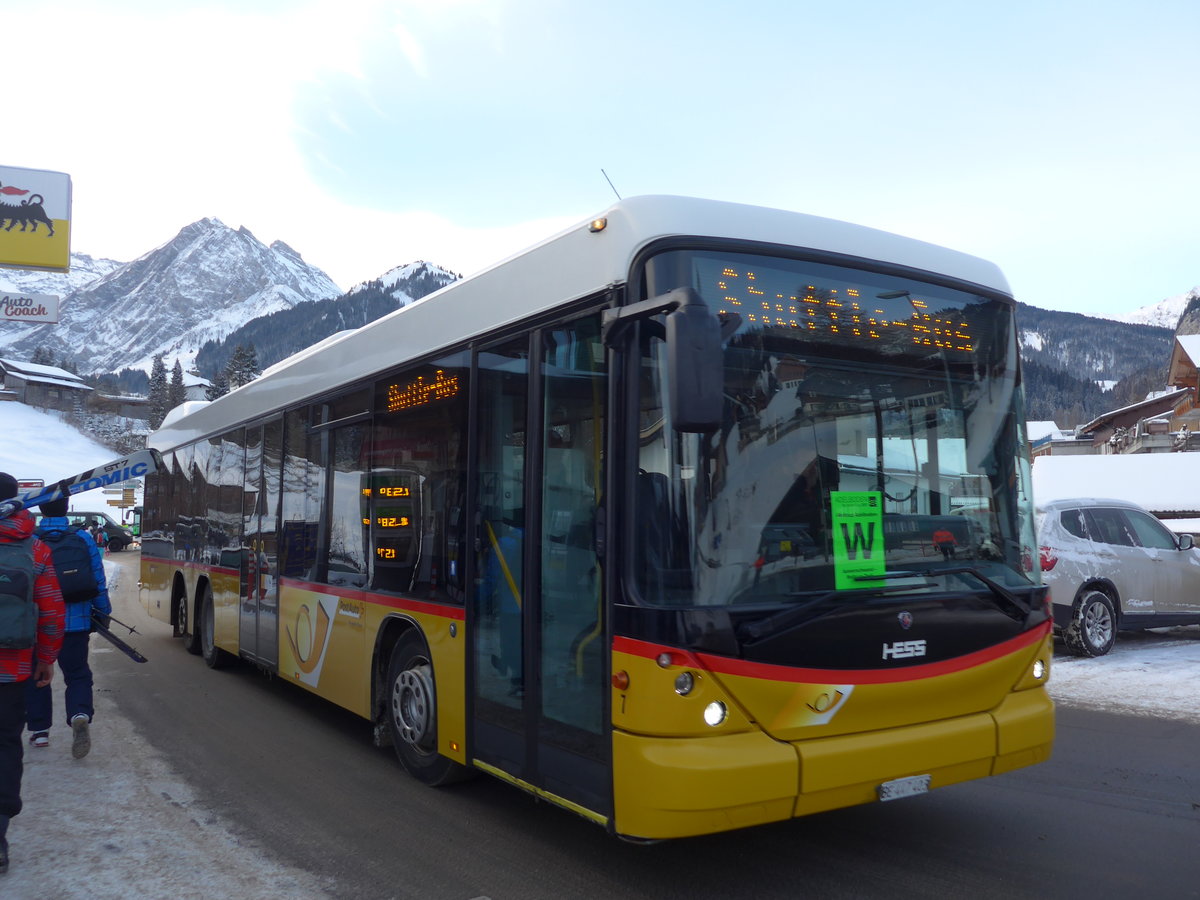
x=35, y=218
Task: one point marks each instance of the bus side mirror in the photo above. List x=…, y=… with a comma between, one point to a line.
x=695, y=362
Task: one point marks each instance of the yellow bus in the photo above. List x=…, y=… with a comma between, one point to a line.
x=693, y=517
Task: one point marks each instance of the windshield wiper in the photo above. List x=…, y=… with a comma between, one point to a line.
x=1003, y=594
x=802, y=612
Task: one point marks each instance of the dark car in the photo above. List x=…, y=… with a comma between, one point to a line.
x=119, y=537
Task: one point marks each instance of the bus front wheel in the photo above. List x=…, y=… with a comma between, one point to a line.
x=412, y=714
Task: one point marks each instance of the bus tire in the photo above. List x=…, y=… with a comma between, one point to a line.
x=214, y=656
x=183, y=622
x=411, y=709
x=1093, y=627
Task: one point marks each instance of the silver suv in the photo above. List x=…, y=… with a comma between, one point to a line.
x=1111, y=565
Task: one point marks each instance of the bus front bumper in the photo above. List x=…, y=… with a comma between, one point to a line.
x=678, y=787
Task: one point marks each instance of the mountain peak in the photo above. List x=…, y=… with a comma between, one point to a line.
x=202, y=284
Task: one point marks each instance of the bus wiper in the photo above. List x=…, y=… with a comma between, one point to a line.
x=794, y=615
x=1007, y=597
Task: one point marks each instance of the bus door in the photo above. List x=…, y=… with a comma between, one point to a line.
x=258, y=631
x=540, y=694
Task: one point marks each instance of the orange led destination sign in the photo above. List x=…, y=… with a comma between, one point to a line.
x=840, y=313
x=421, y=392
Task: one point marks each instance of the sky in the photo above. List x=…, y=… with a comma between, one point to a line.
x=1058, y=140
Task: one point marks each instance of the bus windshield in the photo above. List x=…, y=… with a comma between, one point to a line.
x=872, y=438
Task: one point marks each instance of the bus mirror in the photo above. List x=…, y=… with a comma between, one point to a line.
x=695, y=363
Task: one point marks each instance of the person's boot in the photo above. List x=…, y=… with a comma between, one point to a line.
x=3, y=844
x=82, y=740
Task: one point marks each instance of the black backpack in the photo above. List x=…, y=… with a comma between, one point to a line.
x=18, y=612
x=72, y=564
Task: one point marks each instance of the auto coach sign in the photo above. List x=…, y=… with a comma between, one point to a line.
x=35, y=219
x=29, y=307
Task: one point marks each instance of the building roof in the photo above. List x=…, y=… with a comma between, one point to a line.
x=1151, y=406
x=1185, y=359
x=43, y=374
x=1038, y=430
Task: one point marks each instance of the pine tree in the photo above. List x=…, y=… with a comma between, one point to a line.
x=158, y=391
x=219, y=386
x=253, y=369
x=43, y=356
x=176, y=392
x=242, y=367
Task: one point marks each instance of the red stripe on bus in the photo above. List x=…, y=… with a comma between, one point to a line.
x=446, y=611
x=192, y=564
x=724, y=665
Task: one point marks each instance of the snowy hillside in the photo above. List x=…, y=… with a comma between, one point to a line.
x=84, y=270
x=1165, y=313
x=199, y=286
x=39, y=445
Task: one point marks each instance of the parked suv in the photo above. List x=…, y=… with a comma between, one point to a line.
x=1112, y=565
x=119, y=537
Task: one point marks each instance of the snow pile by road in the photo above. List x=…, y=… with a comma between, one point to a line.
x=1147, y=673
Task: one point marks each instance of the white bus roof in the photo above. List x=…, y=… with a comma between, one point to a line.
x=566, y=267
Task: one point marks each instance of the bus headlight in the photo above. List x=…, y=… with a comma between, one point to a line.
x=715, y=713
x=684, y=682
x=1039, y=669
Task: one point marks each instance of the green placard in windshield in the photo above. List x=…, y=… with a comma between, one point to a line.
x=857, y=537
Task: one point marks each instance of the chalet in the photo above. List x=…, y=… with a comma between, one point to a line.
x=46, y=387
x=1153, y=425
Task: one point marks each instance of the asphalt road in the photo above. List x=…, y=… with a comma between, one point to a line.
x=1115, y=813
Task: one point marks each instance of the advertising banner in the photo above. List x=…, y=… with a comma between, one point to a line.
x=35, y=219
x=28, y=307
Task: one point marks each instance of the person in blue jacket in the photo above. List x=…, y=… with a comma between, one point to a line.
x=73, y=658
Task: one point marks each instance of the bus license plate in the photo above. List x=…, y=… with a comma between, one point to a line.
x=904, y=787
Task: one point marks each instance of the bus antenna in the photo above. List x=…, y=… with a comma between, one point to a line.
x=610, y=184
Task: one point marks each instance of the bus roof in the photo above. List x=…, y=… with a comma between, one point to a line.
x=568, y=266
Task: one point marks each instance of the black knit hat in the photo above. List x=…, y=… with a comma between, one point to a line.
x=8, y=486
x=56, y=508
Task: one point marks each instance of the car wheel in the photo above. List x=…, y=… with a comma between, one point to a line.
x=1093, y=628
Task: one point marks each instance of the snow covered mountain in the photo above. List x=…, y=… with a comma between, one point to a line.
x=200, y=286
x=84, y=270
x=1165, y=313
x=279, y=335
x=408, y=283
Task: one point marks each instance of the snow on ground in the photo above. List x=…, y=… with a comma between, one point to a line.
x=122, y=823
x=34, y=444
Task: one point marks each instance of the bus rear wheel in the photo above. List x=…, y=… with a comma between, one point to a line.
x=183, y=622
x=412, y=714
x=214, y=656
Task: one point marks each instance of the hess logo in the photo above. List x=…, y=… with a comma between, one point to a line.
x=903, y=649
